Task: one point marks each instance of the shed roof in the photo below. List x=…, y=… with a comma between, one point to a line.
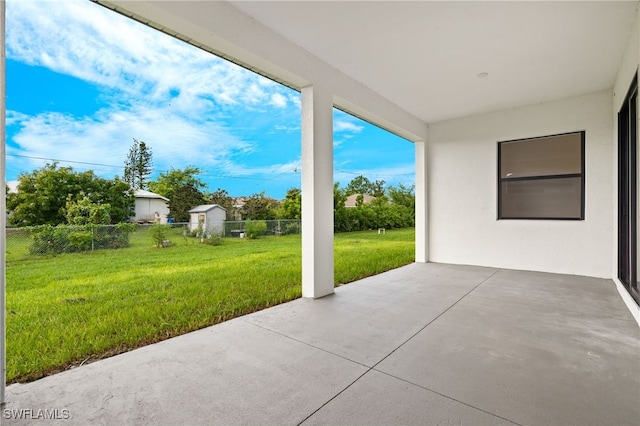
x=141, y=193
x=205, y=208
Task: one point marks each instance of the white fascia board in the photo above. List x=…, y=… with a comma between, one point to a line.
x=222, y=29
x=628, y=67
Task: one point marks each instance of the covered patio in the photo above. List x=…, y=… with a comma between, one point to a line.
x=434, y=342
x=425, y=344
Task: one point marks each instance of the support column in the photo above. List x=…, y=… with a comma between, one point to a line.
x=317, y=192
x=3, y=205
x=422, y=224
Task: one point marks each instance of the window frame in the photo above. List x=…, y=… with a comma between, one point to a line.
x=581, y=175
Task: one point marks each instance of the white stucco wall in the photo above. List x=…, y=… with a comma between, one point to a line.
x=146, y=208
x=462, y=180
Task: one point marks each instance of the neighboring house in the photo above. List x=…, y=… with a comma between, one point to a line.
x=238, y=204
x=352, y=200
x=211, y=216
x=150, y=207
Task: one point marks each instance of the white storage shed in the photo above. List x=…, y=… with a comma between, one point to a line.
x=211, y=216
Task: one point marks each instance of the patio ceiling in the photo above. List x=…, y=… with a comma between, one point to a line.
x=426, y=56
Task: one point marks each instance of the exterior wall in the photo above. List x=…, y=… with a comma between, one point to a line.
x=147, y=207
x=215, y=221
x=462, y=180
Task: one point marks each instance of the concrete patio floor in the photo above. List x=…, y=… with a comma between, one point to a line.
x=426, y=344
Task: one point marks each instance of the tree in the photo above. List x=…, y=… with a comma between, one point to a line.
x=221, y=197
x=184, y=199
x=377, y=188
x=259, y=207
x=167, y=182
x=339, y=197
x=138, y=165
x=291, y=205
x=377, y=214
x=362, y=185
x=402, y=195
x=358, y=185
x=119, y=195
x=85, y=212
x=42, y=195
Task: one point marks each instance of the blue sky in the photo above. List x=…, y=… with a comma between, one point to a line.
x=83, y=81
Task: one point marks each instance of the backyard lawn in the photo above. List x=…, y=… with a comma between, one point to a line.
x=71, y=309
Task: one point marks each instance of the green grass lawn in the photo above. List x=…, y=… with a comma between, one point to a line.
x=75, y=308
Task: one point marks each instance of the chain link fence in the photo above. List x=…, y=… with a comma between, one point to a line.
x=273, y=227
x=51, y=240
x=48, y=239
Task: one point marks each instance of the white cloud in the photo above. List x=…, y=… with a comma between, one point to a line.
x=13, y=186
x=87, y=41
x=278, y=100
x=287, y=129
x=14, y=117
x=337, y=142
x=294, y=98
x=400, y=173
x=270, y=171
x=163, y=91
x=346, y=126
x=105, y=138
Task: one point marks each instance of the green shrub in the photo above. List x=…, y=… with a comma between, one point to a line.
x=48, y=239
x=159, y=233
x=372, y=216
x=291, y=228
x=212, y=240
x=255, y=229
x=120, y=238
x=80, y=240
x=199, y=232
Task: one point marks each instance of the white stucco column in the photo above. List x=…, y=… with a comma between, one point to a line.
x=317, y=192
x=422, y=224
x=3, y=205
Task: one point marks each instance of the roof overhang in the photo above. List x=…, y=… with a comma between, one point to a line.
x=405, y=64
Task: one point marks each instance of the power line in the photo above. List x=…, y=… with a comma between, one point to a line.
x=230, y=177
x=57, y=160
x=294, y=170
x=374, y=174
x=64, y=161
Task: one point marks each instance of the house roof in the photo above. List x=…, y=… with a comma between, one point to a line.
x=141, y=193
x=205, y=208
x=352, y=199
